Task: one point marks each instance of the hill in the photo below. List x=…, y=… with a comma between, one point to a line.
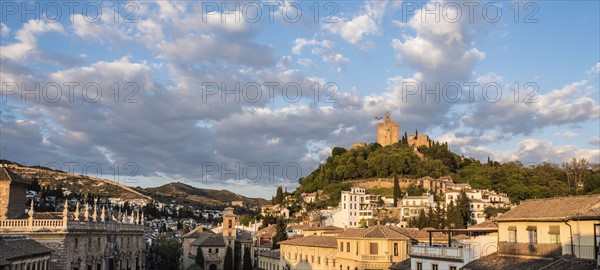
x=344, y=167
x=82, y=184
x=186, y=194
x=76, y=183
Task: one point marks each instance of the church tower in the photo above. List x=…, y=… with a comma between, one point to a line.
x=387, y=132
x=229, y=220
x=13, y=192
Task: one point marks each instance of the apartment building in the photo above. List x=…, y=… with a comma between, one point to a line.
x=355, y=206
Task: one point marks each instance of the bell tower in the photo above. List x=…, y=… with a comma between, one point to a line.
x=229, y=221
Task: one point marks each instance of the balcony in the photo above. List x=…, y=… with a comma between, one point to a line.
x=581, y=252
x=381, y=258
x=438, y=252
x=530, y=249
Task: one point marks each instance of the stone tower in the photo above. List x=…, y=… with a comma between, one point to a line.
x=13, y=192
x=229, y=220
x=387, y=132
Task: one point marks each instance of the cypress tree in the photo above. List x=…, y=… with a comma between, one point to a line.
x=247, y=260
x=396, y=190
x=228, y=260
x=280, y=234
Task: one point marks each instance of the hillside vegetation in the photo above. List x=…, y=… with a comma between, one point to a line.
x=55, y=182
x=519, y=181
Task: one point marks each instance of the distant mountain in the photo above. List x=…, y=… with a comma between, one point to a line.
x=76, y=183
x=186, y=194
x=178, y=192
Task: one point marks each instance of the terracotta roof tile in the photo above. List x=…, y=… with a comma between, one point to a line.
x=312, y=241
x=16, y=248
x=555, y=209
x=377, y=231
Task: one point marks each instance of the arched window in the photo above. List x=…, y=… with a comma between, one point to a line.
x=230, y=223
x=209, y=250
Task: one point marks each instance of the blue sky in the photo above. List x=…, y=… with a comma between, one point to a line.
x=168, y=70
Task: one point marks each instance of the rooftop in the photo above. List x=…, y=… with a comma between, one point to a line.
x=377, y=231
x=18, y=247
x=555, y=209
x=312, y=241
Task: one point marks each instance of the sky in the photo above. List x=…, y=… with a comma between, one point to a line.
x=251, y=95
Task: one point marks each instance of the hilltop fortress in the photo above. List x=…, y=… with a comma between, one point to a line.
x=388, y=134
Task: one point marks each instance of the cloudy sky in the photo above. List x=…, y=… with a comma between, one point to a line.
x=250, y=95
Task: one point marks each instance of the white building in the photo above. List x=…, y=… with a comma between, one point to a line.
x=456, y=253
x=410, y=206
x=480, y=199
x=355, y=205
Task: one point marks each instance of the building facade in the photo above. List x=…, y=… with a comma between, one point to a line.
x=455, y=253
x=410, y=207
x=86, y=239
x=552, y=227
x=355, y=206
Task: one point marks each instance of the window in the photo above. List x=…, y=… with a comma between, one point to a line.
x=341, y=246
x=452, y=267
x=373, y=249
x=348, y=246
x=312, y=259
x=434, y=266
x=209, y=250
x=554, y=234
x=216, y=250
x=532, y=231
x=512, y=234
x=319, y=260
x=395, y=249
x=229, y=223
x=419, y=266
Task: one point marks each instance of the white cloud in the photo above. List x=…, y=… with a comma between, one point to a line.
x=305, y=62
x=363, y=24
x=4, y=30
x=28, y=40
x=337, y=59
x=533, y=110
x=595, y=141
x=595, y=69
x=570, y=134
x=536, y=151
x=318, y=46
x=442, y=50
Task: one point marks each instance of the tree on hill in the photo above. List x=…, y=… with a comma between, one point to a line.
x=396, y=190
x=247, y=261
x=278, y=196
x=200, y=258
x=453, y=217
x=280, y=233
x=336, y=151
x=464, y=207
x=34, y=185
x=228, y=259
x=169, y=251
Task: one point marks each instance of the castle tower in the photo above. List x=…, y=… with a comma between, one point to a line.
x=387, y=132
x=13, y=192
x=229, y=221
